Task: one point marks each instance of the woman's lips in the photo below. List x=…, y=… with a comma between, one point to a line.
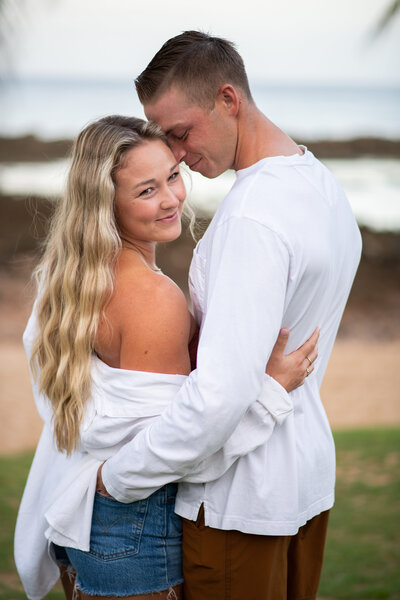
x=169, y=219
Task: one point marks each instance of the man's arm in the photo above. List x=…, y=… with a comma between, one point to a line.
x=247, y=278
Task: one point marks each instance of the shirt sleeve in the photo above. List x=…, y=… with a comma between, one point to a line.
x=246, y=279
x=254, y=429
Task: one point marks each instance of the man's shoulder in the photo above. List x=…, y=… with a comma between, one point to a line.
x=239, y=219
x=275, y=195
x=275, y=190
x=257, y=197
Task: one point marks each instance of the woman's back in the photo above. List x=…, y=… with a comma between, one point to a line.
x=146, y=325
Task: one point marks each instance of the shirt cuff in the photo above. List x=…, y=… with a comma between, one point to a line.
x=275, y=399
x=115, y=493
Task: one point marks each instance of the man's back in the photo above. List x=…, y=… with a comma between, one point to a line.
x=297, y=204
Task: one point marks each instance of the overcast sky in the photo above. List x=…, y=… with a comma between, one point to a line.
x=291, y=41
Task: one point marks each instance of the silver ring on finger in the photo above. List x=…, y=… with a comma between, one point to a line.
x=309, y=360
x=308, y=371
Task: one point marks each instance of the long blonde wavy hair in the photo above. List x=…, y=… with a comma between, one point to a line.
x=75, y=277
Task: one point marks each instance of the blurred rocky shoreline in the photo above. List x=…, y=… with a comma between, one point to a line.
x=30, y=148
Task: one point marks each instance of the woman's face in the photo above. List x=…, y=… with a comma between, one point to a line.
x=149, y=194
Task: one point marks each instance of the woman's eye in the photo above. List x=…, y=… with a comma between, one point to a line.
x=174, y=176
x=146, y=192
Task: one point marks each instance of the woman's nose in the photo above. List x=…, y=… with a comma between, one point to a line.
x=170, y=199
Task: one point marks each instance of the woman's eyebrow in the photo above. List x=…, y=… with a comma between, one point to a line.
x=147, y=181
x=144, y=183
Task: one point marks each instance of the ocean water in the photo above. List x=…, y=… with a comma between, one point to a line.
x=371, y=184
x=53, y=109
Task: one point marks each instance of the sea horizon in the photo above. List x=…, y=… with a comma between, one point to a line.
x=59, y=108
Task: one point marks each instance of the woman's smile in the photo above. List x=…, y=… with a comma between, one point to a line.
x=170, y=218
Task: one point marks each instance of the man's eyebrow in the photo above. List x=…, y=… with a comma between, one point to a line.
x=173, y=128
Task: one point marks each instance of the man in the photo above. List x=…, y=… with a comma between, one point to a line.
x=282, y=250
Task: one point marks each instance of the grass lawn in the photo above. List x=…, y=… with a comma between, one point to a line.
x=362, y=559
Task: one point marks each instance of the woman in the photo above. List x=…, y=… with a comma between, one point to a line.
x=108, y=346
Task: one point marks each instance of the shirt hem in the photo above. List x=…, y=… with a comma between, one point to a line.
x=253, y=526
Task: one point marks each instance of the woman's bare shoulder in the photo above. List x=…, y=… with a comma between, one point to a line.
x=146, y=291
x=153, y=322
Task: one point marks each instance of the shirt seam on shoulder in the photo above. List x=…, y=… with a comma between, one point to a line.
x=281, y=238
x=245, y=195
x=310, y=182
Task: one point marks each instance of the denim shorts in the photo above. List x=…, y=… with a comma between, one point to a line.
x=134, y=548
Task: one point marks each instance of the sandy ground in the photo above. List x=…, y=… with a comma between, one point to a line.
x=361, y=388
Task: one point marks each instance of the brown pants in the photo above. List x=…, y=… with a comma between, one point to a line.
x=230, y=565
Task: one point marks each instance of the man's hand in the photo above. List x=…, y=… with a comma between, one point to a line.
x=291, y=370
x=99, y=483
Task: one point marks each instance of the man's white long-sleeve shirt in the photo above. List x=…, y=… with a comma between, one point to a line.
x=282, y=250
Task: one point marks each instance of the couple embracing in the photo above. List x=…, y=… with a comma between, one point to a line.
x=161, y=474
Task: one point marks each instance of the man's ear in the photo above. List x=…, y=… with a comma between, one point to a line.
x=229, y=98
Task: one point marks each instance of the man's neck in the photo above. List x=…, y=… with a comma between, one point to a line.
x=259, y=138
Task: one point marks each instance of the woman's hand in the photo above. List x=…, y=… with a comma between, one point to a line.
x=291, y=370
x=99, y=483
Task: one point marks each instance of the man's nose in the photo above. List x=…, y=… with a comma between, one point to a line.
x=178, y=150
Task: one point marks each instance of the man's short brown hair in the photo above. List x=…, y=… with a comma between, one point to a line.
x=196, y=62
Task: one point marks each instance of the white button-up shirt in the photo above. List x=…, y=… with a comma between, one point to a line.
x=282, y=250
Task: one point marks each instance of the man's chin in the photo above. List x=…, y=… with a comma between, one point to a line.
x=196, y=166
x=211, y=174
x=207, y=171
